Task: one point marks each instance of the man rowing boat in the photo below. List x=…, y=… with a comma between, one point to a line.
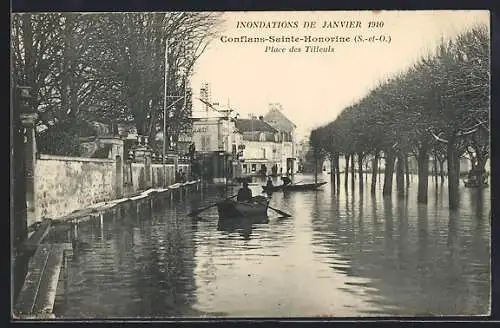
x=244, y=194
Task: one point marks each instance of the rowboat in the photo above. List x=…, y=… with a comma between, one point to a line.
x=471, y=183
x=256, y=207
x=476, y=180
x=294, y=187
x=244, y=225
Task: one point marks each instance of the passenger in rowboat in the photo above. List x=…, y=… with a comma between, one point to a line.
x=244, y=194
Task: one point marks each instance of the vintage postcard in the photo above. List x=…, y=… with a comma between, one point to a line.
x=329, y=164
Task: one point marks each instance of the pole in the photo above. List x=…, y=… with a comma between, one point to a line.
x=165, y=118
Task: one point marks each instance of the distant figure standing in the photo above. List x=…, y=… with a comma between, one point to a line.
x=286, y=180
x=180, y=176
x=244, y=194
x=269, y=182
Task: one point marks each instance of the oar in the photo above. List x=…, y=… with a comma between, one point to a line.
x=198, y=211
x=280, y=212
x=275, y=209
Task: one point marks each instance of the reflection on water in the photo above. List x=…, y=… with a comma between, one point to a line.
x=341, y=254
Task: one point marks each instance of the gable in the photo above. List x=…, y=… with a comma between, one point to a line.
x=279, y=121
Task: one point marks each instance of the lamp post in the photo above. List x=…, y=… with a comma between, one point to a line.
x=165, y=107
x=165, y=116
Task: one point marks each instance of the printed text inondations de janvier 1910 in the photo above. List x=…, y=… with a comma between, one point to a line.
x=350, y=32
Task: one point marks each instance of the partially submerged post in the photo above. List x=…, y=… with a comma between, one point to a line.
x=28, y=117
x=22, y=184
x=20, y=222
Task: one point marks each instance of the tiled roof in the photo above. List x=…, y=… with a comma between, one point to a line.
x=256, y=136
x=248, y=125
x=280, y=119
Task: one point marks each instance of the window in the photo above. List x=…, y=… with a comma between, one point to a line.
x=234, y=151
x=263, y=152
x=262, y=136
x=245, y=168
x=205, y=142
x=254, y=167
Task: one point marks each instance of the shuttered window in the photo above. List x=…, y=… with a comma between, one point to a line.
x=205, y=142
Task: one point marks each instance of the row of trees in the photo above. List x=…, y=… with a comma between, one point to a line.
x=107, y=67
x=439, y=106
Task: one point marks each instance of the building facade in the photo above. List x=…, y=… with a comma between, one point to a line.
x=217, y=143
x=262, y=147
x=287, y=135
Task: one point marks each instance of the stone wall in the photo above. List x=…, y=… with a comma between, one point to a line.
x=157, y=175
x=137, y=174
x=64, y=184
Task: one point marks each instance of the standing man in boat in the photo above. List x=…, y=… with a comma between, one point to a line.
x=244, y=194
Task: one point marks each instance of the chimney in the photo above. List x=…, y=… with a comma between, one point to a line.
x=276, y=106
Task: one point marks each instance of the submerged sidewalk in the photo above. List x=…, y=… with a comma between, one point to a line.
x=46, y=261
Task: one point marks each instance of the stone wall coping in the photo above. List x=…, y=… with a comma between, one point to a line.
x=109, y=136
x=75, y=159
x=161, y=165
x=110, y=140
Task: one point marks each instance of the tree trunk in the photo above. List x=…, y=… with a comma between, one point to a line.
x=388, y=174
x=400, y=179
x=374, y=173
x=423, y=174
x=441, y=170
x=337, y=170
x=66, y=75
x=353, y=171
x=346, y=170
x=407, y=171
x=481, y=167
x=332, y=170
x=453, y=173
x=316, y=168
x=435, y=169
x=29, y=60
x=366, y=171
x=360, y=171
x=69, y=97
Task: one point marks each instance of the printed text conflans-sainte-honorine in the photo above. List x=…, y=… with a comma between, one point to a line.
x=285, y=39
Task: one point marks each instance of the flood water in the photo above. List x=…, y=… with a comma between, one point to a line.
x=346, y=254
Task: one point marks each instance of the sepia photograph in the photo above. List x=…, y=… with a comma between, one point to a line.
x=250, y=164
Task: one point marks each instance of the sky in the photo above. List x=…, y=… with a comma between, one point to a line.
x=314, y=88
